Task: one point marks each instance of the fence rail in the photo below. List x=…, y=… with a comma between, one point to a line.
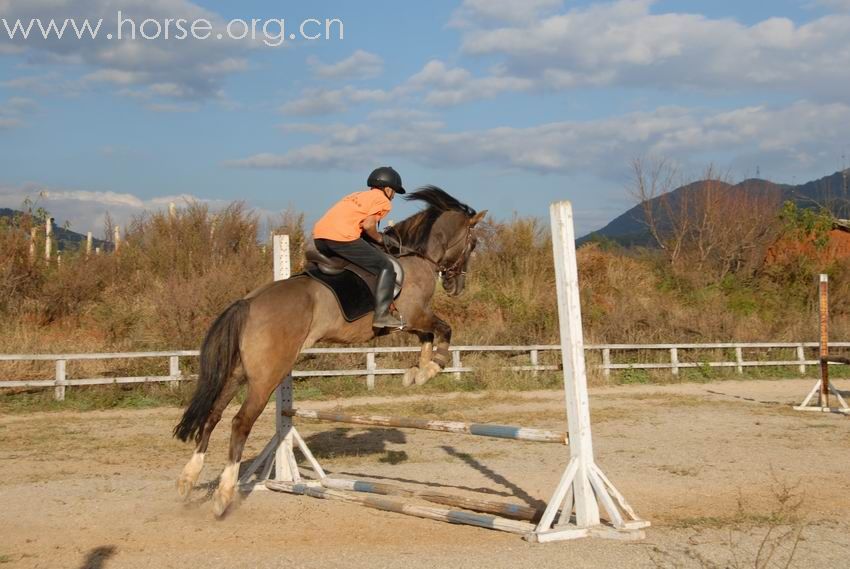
x=677, y=360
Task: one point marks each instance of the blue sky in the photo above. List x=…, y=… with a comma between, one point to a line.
x=508, y=105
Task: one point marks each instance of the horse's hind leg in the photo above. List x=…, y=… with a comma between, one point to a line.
x=189, y=476
x=258, y=396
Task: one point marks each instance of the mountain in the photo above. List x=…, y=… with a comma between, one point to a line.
x=65, y=239
x=630, y=229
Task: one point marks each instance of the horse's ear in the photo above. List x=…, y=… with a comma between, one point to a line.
x=473, y=221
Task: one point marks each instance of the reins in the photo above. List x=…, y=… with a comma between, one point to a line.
x=450, y=271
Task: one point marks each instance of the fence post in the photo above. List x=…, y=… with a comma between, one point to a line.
x=370, y=367
x=48, y=238
x=535, y=356
x=88, y=244
x=674, y=360
x=739, y=359
x=456, y=362
x=59, y=390
x=173, y=370
x=606, y=362
x=33, y=237
x=801, y=355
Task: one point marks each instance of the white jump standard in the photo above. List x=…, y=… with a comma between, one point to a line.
x=573, y=510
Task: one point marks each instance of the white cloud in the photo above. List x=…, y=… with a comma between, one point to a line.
x=328, y=101
x=13, y=111
x=360, y=65
x=86, y=210
x=449, y=86
x=196, y=68
x=173, y=107
x=833, y=4
x=624, y=43
x=804, y=135
x=500, y=10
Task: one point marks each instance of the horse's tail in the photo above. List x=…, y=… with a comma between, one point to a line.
x=219, y=357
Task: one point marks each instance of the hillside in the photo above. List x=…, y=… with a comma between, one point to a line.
x=65, y=239
x=630, y=229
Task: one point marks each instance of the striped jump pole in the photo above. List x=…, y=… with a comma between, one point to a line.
x=479, y=429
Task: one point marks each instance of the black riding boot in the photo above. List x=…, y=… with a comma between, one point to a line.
x=383, y=298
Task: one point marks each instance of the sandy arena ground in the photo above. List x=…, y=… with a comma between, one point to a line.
x=96, y=490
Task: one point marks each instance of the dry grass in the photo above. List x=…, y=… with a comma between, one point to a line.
x=173, y=276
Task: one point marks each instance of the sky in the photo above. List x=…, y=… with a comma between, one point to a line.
x=506, y=105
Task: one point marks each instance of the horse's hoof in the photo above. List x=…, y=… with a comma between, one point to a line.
x=221, y=501
x=425, y=375
x=184, y=487
x=190, y=475
x=409, y=377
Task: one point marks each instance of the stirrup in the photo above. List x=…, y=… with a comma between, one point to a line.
x=393, y=325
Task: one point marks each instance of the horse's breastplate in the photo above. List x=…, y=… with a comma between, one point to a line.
x=335, y=265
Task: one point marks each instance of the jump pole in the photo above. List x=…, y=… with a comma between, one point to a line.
x=823, y=388
x=583, y=485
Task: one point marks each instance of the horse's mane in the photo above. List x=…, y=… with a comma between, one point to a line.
x=414, y=231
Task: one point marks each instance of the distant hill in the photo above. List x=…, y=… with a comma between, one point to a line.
x=629, y=229
x=66, y=240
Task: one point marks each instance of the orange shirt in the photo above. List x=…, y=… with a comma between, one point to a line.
x=342, y=221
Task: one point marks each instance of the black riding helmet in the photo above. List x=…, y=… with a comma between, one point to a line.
x=385, y=177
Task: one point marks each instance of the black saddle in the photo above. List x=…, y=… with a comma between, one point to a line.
x=353, y=287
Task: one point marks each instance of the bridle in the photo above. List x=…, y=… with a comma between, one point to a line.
x=456, y=269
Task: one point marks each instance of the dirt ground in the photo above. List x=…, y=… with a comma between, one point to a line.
x=708, y=464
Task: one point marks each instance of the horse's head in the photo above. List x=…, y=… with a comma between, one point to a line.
x=456, y=237
x=442, y=234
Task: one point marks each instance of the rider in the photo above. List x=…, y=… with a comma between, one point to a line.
x=339, y=234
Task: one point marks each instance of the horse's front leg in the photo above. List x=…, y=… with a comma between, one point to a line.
x=436, y=357
x=411, y=375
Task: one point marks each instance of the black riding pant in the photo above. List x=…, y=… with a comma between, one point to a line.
x=358, y=252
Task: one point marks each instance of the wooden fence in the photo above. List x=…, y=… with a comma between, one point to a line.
x=681, y=356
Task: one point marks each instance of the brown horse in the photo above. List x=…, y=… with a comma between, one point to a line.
x=258, y=338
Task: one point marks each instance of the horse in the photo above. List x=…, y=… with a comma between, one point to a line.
x=257, y=339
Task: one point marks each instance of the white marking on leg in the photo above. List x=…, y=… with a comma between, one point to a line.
x=226, y=488
x=190, y=474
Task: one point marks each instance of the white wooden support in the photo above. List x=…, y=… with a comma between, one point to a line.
x=606, y=362
x=60, y=381
x=739, y=360
x=173, y=370
x=88, y=244
x=801, y=355
x=674, y=360
x=285, y=468
x=582, y=480
x=174, y=366
x=277, y=459
x=456, y=363
x=33, y=237
x=535, y=361
x=116, y=238
x=48, y=238
x=370, y=370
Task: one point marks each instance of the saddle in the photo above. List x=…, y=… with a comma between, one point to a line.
x=353, y=287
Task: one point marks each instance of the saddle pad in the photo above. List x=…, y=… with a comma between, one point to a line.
x=352, y=294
